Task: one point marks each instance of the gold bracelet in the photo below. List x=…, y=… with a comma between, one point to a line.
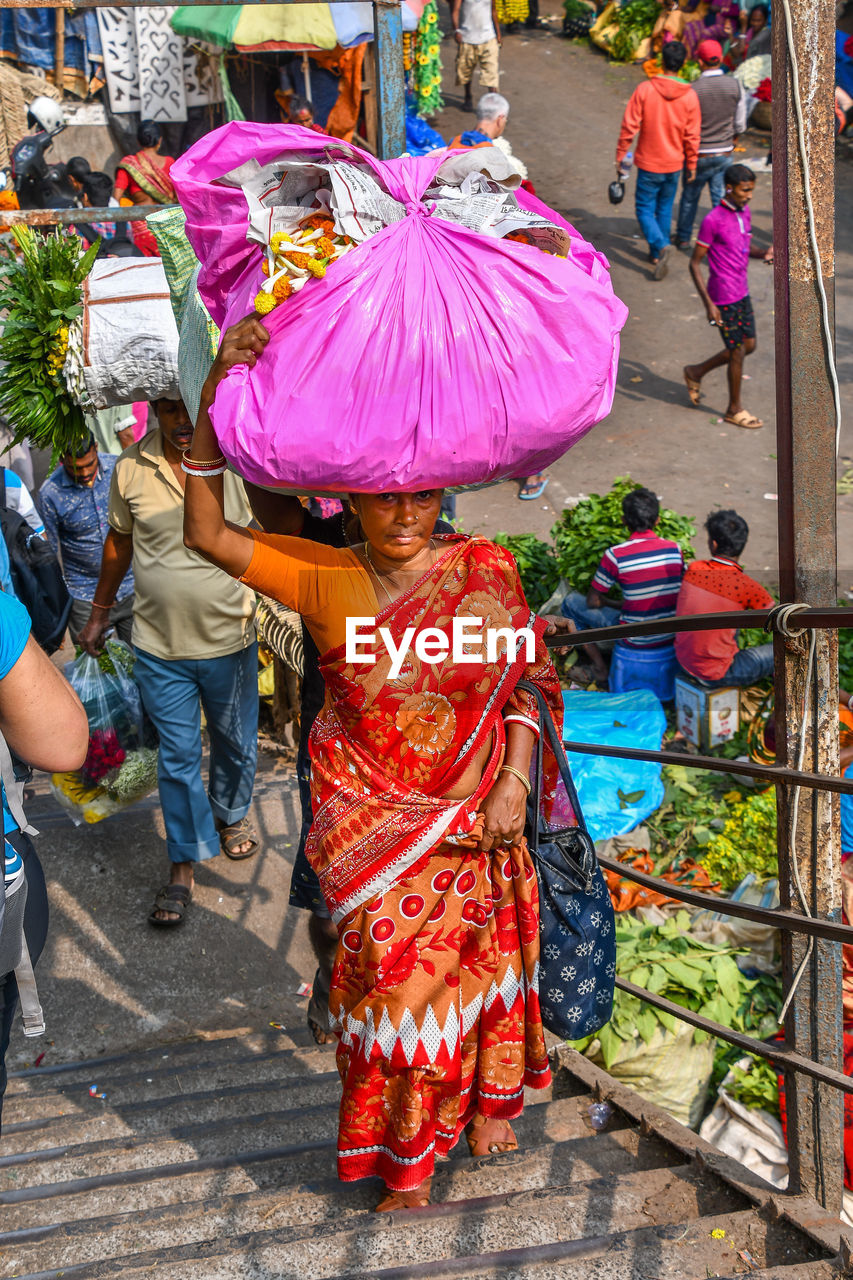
x=525, y=782
x=95, y=605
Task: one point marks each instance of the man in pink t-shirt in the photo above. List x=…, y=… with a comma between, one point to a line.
x=725, y=238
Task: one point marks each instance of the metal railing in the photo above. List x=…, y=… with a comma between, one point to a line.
x=792, y=922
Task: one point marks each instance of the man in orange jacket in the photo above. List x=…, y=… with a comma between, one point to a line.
x=665, y=112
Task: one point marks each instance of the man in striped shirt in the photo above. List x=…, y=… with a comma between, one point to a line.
x=647, y=569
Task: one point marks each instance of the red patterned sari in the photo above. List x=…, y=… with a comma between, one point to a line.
x=434, y=991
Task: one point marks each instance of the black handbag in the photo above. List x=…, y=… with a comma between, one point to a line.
x=577, y=926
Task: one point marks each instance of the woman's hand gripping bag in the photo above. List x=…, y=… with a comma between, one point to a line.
x=428, y=328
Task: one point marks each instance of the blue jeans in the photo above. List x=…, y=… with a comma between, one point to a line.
x=747, y=666
x=709, y=169
x=586, y=619
x=653, y=201
x=173, y=693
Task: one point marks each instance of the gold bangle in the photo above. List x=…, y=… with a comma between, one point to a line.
x=509, y=768
x=95, y=605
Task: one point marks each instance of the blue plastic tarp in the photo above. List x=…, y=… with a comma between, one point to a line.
x=615, y=795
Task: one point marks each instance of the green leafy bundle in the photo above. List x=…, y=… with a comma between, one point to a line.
x=747, y=842
x=41, y=292
x=636, y=21
x=584, y=532
x=536, y=565
x=760, y=1014
x=756, y=1086
x=696, y=805
x=668, y=961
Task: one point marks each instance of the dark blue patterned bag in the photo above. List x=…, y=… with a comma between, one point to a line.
x=577, y=929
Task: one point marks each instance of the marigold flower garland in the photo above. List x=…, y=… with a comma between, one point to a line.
x=426, y=63
x=296, y=257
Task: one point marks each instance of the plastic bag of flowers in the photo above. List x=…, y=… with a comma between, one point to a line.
x=431, y=324
x=119, y=768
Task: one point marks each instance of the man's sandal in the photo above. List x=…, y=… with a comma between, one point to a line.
x=174, y=898
x=233, y=835
x=480, y=1135
x=416, y=1199
x=744, y=419
x=694, y=388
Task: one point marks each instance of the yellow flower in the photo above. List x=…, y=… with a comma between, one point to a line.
x=422, y=59
x=718, y=1234
x=280, y=238
x=433, y=51
x=265, y=303
x=315, y=268
x=432, y=18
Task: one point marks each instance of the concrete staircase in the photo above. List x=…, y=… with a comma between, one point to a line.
x=215, y=1160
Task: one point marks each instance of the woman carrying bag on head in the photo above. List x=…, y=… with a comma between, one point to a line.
x=420, y=781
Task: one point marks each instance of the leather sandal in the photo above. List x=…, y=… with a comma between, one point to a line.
x=174, y=898
x=415, y=1199
x=479, y=1134
x=232, y=835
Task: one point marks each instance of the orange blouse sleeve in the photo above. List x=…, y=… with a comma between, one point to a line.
x=324, y=584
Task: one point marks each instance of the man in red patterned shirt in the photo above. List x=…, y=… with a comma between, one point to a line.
x=719, y=585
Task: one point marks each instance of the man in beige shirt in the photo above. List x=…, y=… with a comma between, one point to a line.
x=194, y=636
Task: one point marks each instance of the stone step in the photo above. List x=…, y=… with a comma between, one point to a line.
x=223, y=1147
x=682, y=1251
x=509, y=1221
x=194, y=1220
x=165, y=1077
x=95, y=1121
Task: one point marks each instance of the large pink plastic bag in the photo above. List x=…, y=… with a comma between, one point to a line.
x=431, y=355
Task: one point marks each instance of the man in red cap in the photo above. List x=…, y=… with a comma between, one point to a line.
x=723, y=107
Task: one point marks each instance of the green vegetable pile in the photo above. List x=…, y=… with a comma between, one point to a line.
x=536, y=564
x=696, y=804
x=584, y=532
x=747, y=842
x=636, y=21
x=668, y=961
x=755, y=1086
x=41, y=292
x=576, y=9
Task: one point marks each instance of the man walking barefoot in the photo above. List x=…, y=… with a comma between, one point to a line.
x=725, y=238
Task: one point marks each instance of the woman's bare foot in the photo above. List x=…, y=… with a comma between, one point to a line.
x=488, y=1137
x=415, y=1199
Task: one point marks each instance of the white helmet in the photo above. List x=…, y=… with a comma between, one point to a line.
x=47, y=114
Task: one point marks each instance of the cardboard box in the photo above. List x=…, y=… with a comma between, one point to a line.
x=706, y=717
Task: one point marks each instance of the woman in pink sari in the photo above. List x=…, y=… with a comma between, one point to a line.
x=143, y=178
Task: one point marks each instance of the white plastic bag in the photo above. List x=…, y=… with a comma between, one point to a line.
x=129, y=337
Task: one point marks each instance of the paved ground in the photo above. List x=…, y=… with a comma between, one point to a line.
x=109, y=982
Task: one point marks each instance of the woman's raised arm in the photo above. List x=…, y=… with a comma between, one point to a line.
x=229, y=546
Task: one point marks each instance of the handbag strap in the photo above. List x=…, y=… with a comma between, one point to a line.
x=546, y=725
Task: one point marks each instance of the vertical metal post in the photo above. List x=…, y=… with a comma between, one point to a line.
x=59, y=53
x=805, y=426
x=390, y=85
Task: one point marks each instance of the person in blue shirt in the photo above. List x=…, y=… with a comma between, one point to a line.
x=45, y=725
x=75, y=502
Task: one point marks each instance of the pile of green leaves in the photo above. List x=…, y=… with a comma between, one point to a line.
x=636, y=21
x=575, y=9
x=695, y=806
x=668, y=961
x=41, y=293
x=756, y=1086
x=584, y=532
x=536, y=565
x=747, y=842
x=760, y=1015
